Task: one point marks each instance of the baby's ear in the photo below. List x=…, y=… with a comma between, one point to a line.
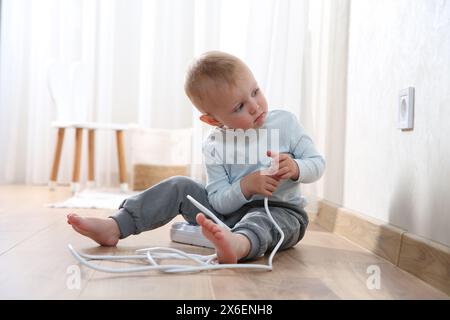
x=206, y=118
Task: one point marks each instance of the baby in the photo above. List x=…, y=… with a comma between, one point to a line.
x=225, y=91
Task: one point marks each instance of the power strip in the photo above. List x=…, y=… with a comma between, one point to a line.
x=184, y=232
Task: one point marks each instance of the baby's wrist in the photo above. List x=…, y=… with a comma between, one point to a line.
x=245, y=188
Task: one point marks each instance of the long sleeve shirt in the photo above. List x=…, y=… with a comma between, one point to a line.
x=223, y=177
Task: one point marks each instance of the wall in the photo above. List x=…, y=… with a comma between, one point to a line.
x=399, y=177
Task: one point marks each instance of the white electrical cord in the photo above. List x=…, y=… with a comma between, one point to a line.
x=151, y=255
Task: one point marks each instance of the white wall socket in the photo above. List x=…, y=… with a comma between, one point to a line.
x=405, y=114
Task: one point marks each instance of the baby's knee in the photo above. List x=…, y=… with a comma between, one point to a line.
x=181, y=183
x=179, y=180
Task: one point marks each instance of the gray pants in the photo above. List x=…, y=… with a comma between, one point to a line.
x=159, y=204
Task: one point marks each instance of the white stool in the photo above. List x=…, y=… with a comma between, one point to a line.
x=91, y=127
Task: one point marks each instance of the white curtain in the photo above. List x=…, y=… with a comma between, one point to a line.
x=323, y=107
x=139, y=51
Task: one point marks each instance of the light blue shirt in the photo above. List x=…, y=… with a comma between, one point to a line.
x=223, y=184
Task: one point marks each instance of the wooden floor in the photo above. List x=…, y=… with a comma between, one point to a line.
x=34, y=263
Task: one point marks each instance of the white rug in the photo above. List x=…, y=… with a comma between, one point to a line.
x=91, y=199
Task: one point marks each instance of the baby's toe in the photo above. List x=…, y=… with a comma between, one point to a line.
x=200, y=218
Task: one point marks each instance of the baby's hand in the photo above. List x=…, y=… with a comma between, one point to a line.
x=287, y=167
x=257, y=183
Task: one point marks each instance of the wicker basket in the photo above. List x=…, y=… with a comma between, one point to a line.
x=146, y=175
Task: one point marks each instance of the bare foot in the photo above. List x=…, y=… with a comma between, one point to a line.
x=103, y=231
x=230, y=247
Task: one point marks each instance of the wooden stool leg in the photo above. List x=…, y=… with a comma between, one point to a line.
x=91, y=157
x=56, y=158
x=77, y=160
x=121, y=158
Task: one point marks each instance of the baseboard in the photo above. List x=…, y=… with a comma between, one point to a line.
x=428, y=260
x=376, y=236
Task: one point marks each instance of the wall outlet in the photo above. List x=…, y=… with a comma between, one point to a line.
x=405, y=114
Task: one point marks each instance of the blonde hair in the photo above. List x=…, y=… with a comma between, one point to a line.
x=213, y=66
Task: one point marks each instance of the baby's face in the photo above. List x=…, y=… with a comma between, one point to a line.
x=242, y=106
